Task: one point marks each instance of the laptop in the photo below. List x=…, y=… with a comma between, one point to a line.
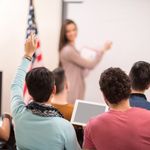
x=85, y=110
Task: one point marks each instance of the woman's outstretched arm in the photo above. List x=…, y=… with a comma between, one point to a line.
x=73, y=56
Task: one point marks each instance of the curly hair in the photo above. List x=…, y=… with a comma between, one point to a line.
x=115, y=85
x=140, y=75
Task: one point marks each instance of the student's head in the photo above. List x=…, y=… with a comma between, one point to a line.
x=60, y=80
x=115, y=85
x=140, y=76
x=68, y=33
x=41, y=84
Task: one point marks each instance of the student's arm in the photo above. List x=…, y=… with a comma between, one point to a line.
x=71, y=142
x=72, y=55
x=5, y=128
x=17, y=104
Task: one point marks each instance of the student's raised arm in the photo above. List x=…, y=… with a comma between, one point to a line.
x=17, y=104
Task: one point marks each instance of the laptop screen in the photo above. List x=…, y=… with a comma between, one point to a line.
x=84, y=111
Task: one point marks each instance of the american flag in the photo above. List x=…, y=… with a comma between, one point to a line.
x=37, y=60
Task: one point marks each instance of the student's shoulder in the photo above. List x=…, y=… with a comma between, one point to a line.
x=148, y=104
x=70, y=106
x=100, y=119
x=65, y=126
x=141, y=111
x=63, y=123
x=148, y=101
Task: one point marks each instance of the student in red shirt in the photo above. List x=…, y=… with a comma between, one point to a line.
x=122, y=127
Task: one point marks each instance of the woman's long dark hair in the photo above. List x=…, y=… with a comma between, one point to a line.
x=63, y=39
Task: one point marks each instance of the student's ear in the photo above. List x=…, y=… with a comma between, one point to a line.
x=66, y=86
x=106, y=101
x=54, y=90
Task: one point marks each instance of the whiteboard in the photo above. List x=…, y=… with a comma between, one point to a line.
x=125, y=22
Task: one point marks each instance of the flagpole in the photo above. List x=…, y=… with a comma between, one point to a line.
x=31, y=2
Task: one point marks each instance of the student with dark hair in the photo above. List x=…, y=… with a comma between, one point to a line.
x=73, y=63
x=140, y=82
x=38, y=126
x=122, y=127
x=59, y=100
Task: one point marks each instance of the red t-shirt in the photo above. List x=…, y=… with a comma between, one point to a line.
x=117, y=130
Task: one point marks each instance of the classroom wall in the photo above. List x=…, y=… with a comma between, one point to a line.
x=125, y=22
x=13, y=23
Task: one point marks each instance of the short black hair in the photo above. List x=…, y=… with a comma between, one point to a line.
x=115, y=85
x=140, y=75
x=60, y=79
x=40, y=83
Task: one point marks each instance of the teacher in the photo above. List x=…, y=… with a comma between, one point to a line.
x=73, y=63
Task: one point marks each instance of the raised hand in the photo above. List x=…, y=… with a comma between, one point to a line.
x=30, y=45
x=107, y=45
